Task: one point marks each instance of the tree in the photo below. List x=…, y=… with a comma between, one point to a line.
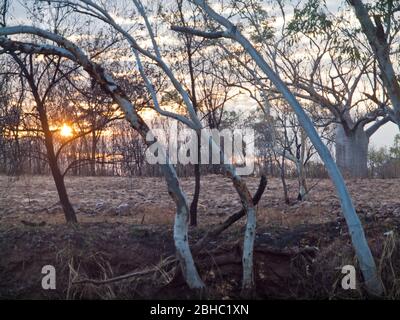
x=395, y=149
x=335, y=68
x=360, y=244
x=381, y=38
x=377, y=158
x=40, y=104
x=291, y=144
x=70, y=51
x=190, y=52
x=192, y=122
x=11, y=118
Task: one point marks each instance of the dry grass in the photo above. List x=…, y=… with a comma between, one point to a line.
x=389, y=266
x=106, y=245
x=34, y=198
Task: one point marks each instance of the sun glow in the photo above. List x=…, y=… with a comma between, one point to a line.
x=66, y=131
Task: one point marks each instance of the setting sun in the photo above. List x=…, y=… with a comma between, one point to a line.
x=66, y=130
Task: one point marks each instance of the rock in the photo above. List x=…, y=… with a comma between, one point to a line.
x=55, y=210
x=123, y=209
x=100, y=206
x=370, y=214
x=396, y=212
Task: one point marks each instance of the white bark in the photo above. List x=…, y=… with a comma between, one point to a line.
x=248, y=249
x=239, y=184
x=153, y=94
x=102, y=14
x=381, y=50
x=108, y=84
x=366, y=261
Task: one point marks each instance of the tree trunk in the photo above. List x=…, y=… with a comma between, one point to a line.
x=381, y=48
x=302, y=181
x=93, y=154
x=213, y=233
x=195, y=201
x=301, y=174
x=248, y=249
x=196, y=195
x=69, y=212
x=363, y=252
x=352, y=152
x=282, y=175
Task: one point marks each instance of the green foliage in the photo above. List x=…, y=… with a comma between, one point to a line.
x=382, y=155
x=378, y=157
x=317, y=22
x=385, y=162
x=310, y=19
x=171, y=97
x=395, y=149
x=264, y=33
x=264, y=29
x=258, y=19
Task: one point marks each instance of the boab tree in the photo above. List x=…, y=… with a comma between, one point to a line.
x=231, y=31
x=339, y=73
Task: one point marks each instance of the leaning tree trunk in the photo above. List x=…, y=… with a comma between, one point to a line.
x=381, y=48
x=107, y=83
x=352, y=151
x=69, y=211
x=363, y=252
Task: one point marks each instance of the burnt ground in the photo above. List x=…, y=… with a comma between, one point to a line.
x=125, y=225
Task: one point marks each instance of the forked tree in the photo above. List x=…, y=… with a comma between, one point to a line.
x=70, y=51
x=366, y=261
x=382, y=36
x=67, y=49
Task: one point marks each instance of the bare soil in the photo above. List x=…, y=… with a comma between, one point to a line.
x=125, y=225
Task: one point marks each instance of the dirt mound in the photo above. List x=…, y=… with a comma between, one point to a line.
x=302, y=262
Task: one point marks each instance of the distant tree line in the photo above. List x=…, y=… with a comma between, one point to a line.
x=384, y=162
x=314, y=79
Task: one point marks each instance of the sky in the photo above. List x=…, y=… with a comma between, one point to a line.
x=382, y=138
x=385, y=135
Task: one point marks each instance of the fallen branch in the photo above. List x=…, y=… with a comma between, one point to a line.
x=196, y=248
x=115, y=279
x=168, y=261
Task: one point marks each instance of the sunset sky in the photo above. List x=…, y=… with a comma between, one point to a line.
x=383, y=137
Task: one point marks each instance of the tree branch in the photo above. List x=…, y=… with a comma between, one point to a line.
x=199, y=33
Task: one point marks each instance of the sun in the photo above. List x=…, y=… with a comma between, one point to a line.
x=66, y=131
